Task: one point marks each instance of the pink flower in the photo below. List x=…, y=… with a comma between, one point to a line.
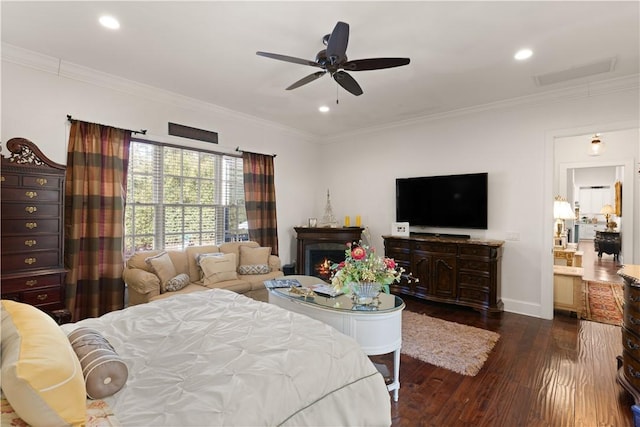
x=390, y=263
x=358, y=253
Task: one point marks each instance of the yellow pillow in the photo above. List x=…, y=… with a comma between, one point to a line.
x=254, y=256
x=219, y=268
x=163, y=267
x=41, y=375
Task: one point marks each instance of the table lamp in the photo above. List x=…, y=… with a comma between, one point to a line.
x=561, y=212
x=608, y=211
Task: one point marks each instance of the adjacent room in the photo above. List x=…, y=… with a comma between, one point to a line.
x=320, y=213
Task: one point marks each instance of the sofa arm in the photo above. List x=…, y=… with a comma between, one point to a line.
x=144, y=284
x=274, y=263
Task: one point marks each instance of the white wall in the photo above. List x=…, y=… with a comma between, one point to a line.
x=513, y=142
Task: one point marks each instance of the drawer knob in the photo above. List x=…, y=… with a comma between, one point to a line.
x=30, y=242
x=31, y=282
x=31, y=194
x=2, y=179
x=633, y=372
x=42, y=297
x=631, y=345
x=42, y=181
x=31, y=209
x=30, y=261
x=31, y=225
x=633, y=320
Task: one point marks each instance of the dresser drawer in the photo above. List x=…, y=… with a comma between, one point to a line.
x=30, y=195
x=631, y=343
x=474, y=281
x=32, y=282
x=42, y=181
x=631, y=368
x=30, y=210
x=482, y=251
x=29, y=227
x=21, y=243
x=473, y=295
x=43, y=296
x=631, y=319
x=397, y=243
x=473, y=265
x=30, y=260
x=442, y=248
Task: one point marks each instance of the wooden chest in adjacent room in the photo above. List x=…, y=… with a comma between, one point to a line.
x=32, y=268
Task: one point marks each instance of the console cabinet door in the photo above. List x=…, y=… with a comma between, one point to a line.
x=443, y=282
x=422, y=272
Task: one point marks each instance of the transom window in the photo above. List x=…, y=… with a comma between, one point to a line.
x=179, y=197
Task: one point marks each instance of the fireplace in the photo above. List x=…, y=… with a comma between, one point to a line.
x=320, y=247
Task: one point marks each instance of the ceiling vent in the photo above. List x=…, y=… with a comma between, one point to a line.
x=599, y=67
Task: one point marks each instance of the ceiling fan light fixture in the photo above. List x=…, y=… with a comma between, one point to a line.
x=323, y=109
x=523, y=54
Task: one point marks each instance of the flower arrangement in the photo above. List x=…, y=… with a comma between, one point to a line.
x=361, y=264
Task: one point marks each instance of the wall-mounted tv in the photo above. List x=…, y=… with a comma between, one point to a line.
x=452, y=201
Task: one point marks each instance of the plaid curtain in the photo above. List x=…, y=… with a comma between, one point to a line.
x=94, y=218
x=260, y=199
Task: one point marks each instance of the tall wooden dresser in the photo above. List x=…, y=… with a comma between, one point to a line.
x=629, y=361
x=32, y=269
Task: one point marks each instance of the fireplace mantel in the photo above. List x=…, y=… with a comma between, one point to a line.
x=308, y=236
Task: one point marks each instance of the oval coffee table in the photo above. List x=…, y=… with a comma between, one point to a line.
x=377, y=329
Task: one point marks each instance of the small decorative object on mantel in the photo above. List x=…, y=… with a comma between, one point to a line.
x=328, y=220
x=363, y=274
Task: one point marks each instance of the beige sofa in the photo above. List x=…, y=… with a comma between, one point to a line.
x=144, y=284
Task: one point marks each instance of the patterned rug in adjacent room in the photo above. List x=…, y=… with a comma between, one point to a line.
x=603, y=302
x=459, y=348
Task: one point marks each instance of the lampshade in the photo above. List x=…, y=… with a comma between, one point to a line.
x=562, y=209
x=607, y=210
x=596, y=147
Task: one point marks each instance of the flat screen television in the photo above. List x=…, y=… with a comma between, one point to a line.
x=452, y=201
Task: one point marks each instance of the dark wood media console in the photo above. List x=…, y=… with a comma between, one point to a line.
x=451, y=270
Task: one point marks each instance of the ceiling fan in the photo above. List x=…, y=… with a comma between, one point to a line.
x=333, y=60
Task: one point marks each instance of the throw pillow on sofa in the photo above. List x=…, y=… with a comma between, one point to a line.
x=177, y=283
x=163, y=267
x=219, y=268
x=254, y=260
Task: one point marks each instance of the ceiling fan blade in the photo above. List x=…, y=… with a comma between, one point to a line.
x=374, y=63
x=288, y=59
x=338, y=40
x=308, y=79
x=347, y=82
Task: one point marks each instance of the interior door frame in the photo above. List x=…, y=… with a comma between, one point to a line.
x=549, y=190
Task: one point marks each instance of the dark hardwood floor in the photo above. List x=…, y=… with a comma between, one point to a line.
x=559, y=372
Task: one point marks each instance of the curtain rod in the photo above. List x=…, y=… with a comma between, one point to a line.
x=241, y=151
x=141, y=131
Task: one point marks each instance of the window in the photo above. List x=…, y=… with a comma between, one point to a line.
x=178, y=197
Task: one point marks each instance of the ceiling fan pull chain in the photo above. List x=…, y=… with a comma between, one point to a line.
x=337, y=94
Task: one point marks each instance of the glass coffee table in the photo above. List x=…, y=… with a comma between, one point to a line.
x=377, y=328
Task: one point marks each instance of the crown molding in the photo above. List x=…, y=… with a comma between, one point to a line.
x=27, y=58
x=64, y=69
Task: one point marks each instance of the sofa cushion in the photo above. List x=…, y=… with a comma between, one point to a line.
x=219, y=269
x=234, y=248
x=139, y=260
x=254, y=256
x=105, y=373
x=192, y=252
x=163, y=267
x=254, y=269
x=41, y=375
x=177, y=283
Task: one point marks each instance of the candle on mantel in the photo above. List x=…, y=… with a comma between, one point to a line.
x=358, y=221
x=347, y=221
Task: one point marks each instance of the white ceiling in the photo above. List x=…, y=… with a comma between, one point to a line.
x=461, y=52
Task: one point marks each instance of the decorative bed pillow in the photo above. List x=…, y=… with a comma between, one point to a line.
x=41, y=375
x=219, y=269
x=177, y=283
x=163, y=268
x=104, y=371
x=253, y=256
x=254, y=269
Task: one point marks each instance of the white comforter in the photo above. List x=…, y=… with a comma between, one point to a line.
x=219, y=358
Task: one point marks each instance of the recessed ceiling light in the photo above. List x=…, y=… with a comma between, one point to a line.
x=109, y=22
x=523, y=54
x=323, y=109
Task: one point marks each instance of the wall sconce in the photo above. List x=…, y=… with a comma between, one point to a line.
x=608, y=211
x=596, y=147
x=561, y=212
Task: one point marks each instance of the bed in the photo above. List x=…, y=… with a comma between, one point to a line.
x=219, y=358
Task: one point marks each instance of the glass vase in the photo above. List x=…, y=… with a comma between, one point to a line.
x=365, y=293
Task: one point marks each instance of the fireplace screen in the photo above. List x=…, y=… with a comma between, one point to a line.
x=320, y=257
